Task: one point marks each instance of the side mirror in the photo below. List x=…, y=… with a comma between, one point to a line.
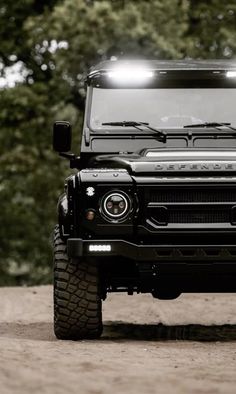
x=62, y=136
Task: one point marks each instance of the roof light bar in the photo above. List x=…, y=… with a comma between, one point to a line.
x=231, y=74
x=130, y=74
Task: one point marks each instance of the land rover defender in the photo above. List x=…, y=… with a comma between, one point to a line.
x=150, y=206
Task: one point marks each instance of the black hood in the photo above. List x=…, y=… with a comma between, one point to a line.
x=167, y=161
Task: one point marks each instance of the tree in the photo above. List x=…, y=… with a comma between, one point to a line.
x=211, y=33
x=56, y=42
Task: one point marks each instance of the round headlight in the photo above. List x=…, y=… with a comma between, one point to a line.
x=115, y=205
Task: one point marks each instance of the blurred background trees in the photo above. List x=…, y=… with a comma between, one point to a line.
x=46, y=48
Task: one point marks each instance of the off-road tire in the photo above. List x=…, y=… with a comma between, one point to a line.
x=77, y=303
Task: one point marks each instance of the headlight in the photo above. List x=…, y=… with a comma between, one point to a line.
x=116, y=205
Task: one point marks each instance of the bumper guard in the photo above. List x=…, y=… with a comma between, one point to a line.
x=77, y=247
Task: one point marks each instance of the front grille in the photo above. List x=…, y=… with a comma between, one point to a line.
x=193, y=195
x=199, y=216
x=195, y=204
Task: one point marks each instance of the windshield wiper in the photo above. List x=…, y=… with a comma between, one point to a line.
x=131, y=123
x=215, y=125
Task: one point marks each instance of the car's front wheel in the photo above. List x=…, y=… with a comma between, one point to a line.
x=77, y=301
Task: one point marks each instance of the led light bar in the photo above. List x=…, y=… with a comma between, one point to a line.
x=130, y=74
x=99, y=248
x=231, y=74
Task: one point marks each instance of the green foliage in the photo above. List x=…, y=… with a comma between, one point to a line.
x=57, y=41
x=211, y=32
x=31, y=179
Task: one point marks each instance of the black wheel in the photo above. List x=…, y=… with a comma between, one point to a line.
x=77, y=301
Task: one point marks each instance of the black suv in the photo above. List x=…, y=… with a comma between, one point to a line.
x=151, y=204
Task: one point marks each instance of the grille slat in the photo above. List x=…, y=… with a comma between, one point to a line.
x=193, y=195
x=199, y=216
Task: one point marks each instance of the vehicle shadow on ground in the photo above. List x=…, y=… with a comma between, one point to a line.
x=161, y=332
x=115, y=331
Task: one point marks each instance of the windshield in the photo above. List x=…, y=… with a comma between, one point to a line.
x=162, y=108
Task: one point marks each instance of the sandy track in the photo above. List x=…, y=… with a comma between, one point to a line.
x=148, y=346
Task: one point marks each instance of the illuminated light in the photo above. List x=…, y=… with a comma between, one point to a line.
x=99, y=248
x=130, y=74
x=90, y=215
x=231, y=74
x=90, y=191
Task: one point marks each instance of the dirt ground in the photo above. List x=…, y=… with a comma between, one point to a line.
x=148, y=346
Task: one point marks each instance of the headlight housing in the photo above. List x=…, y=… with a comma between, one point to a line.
x=115, y=206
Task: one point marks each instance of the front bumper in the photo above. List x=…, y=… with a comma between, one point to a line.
x=77, y=247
